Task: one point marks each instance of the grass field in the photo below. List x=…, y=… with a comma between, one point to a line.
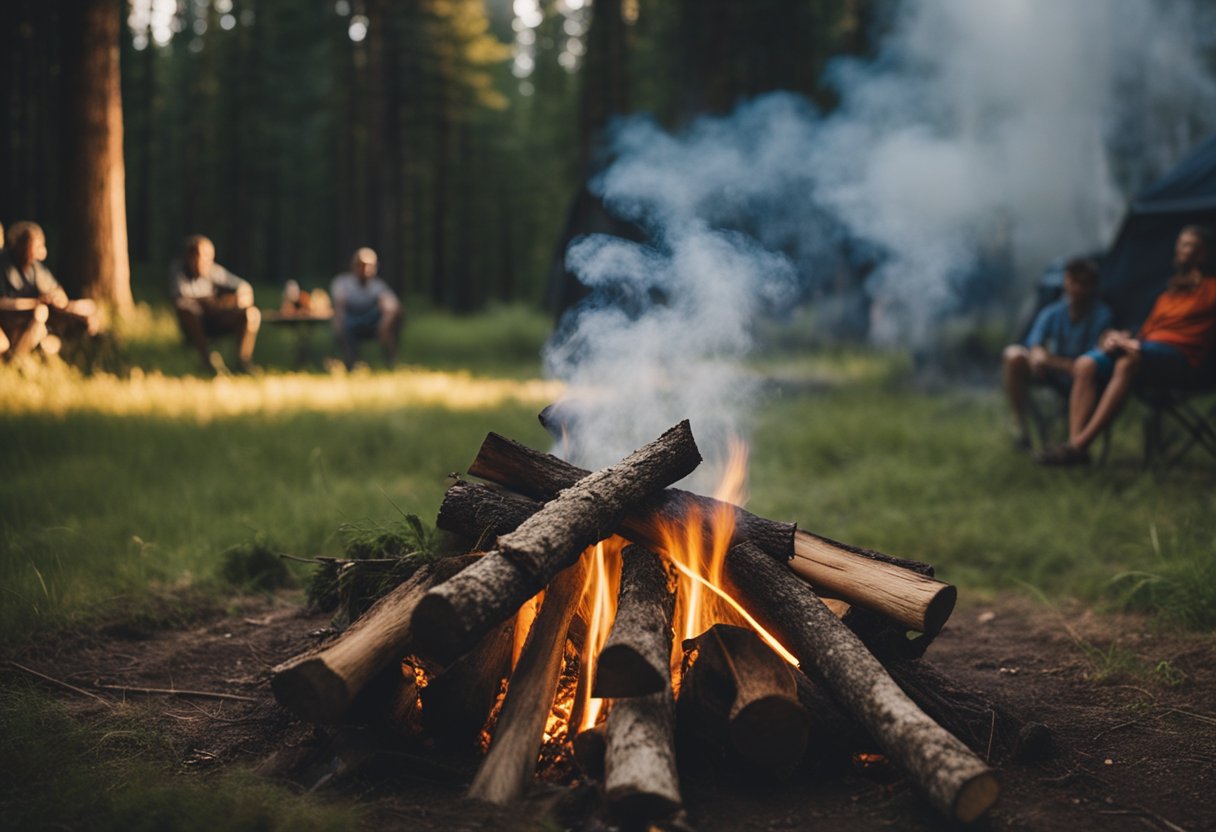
x=120, y=495
x=118, y=489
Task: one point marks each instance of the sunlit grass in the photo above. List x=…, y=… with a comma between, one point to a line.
x=57, y=390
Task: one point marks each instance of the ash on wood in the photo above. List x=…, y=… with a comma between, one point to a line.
x=453, y=615
x=511, y=760
x=321, y=684
x=636, y=658
x=737, y=692
x=955, y=781
x=902, y=590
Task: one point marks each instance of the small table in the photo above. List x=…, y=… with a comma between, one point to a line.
x=304, y=325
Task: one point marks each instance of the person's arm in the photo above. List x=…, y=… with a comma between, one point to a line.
x=238, y=288
x=49, y=290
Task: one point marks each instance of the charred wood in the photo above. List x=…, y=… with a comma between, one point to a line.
x=954, y=780
x=508, y=766
x=457, y=701
x=738, y=693
x=636, y=658
x=641, y=782
x=321, y=684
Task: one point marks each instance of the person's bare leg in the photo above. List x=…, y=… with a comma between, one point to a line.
x=1127, y=367
x=190, y=319
x=389, y=332
x=1083, y=396
x=1016, y=371
x=249, y=335
x=31, y=335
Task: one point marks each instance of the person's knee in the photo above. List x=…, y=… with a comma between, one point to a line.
x=1129, y=364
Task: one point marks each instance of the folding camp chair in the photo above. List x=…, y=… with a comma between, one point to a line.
x=1175, y=421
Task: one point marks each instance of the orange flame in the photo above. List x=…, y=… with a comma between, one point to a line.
x=598, y=609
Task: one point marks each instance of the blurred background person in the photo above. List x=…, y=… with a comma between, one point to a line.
x=212, y=301
x=365, y=308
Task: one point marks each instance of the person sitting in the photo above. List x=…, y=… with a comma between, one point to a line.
x=1168, y=349
x=34, y=308
x=364, y=308
x=211, y=301
x=1061, y=331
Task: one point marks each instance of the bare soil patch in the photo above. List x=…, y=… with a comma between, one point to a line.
x=1131, y=711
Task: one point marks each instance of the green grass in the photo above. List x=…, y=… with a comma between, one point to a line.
x=118, y=490
x=110, y=772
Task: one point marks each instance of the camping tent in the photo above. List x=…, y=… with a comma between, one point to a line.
x=1137, y=267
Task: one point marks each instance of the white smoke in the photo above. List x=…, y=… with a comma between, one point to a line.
x=986, y=139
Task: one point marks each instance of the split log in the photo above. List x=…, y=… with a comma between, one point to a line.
x=320, y=685
x=737, y=692
x=636, y=658
x=955, y=781
x=511, y=760
x=901, y=589
x=452, y=616
x=457, y=701
x=641, y=782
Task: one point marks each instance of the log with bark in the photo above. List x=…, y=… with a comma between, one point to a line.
x=452, y=616
x=955, y=781
x=636, y=658
x=508, y=766
x=641, y=782
x=902, y=590
x=458, y=699
x=738, y=693
x=320, y=685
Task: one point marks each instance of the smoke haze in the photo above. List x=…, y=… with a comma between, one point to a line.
x=984, y=140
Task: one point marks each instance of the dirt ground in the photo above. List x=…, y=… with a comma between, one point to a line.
x=1132, y=750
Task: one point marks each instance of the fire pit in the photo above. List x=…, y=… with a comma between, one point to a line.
x=556, y=643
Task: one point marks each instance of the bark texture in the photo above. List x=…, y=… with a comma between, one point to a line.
x=954, y=780
x=636, y=658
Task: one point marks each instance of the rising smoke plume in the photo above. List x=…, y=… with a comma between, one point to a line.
x=985, y=139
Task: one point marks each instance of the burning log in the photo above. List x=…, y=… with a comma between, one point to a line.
x=738, y=692
x=641, y=782
x=895, y=587
x=955, y=781
x=636, y=659
x=589, y=747
x=640, y=778
x=509, y=764
x=456, y=702
x=453, y=615
x=320, y=685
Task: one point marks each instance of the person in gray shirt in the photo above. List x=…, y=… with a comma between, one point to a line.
x=365, y=308
x=211, y=301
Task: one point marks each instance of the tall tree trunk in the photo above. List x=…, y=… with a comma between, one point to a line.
x=94, y=257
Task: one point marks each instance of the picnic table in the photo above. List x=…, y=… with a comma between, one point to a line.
x=303, y=324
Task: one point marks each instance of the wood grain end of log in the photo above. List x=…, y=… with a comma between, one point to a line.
x=938, y=611
x=310, y=689
x=976, y=797
x=771, y=732
x=621, y=672
x=589, y=747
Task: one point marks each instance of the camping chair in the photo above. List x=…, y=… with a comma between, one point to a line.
x=1175, y=419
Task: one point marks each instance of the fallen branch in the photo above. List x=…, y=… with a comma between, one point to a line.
x=58, y=682
x=203, y=694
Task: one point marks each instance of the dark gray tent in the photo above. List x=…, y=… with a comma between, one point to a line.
x=1137, y=267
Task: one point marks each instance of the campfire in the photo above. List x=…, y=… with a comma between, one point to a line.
x=604, y=616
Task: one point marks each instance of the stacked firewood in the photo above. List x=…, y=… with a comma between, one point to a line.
x=845, y=614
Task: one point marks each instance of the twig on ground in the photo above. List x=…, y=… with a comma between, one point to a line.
x=206, y=694
x=59, y=682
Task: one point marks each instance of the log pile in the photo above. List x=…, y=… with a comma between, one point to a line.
x=843, y=612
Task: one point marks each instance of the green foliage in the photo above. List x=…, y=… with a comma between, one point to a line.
x=111, y=773
x=255, y=566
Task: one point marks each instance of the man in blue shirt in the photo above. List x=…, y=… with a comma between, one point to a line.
x=1061, y=331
